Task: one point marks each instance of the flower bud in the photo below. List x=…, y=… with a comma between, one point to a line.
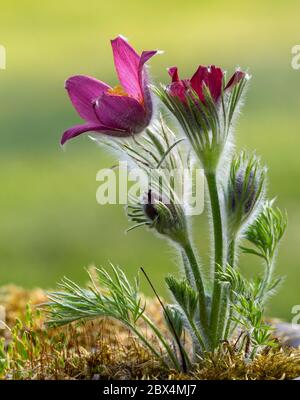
x=245, y=190
x=205, y=106
x=165, y=216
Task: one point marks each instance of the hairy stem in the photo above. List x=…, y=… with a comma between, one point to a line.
x=231, y=253
x=163, y=341
x=197, y=333
x=189, y=252
x=267, y=277
x=187, y=269
x=218, y=256
x=146, y=343
x=231, y=262
x=183, y=354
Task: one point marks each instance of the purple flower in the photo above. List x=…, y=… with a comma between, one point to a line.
x=210, y=76
x=120, y=111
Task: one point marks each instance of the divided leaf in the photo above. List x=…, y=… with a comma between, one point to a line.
x=184, y=294
x=266, y=232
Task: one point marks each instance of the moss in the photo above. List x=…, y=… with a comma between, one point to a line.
x=103, y=349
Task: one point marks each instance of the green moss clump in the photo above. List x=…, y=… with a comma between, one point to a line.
x=104, y=349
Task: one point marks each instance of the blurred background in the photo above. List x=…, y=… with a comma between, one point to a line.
x=50, y=223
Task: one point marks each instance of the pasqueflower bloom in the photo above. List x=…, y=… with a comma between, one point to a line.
x=120, y=111
x=211, y=77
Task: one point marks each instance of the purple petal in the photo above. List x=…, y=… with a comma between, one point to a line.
x=127, y=66
x=215, y=79
x=197, y=80
x=146, y=55
x=121, y=113
x=236, y=78
x=78, y=130
x=143, y=76
x=178, y=89
x=83, y=92
x=173, y=72
x=210, y=76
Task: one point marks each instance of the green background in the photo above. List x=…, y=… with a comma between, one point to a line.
x=50, y=223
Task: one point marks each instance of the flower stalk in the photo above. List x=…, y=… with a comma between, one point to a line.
x=189, y=252
x=218, y=257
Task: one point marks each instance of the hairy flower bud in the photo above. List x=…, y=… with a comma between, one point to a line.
x=165, y=216
x=205, y=107
x=245, y=190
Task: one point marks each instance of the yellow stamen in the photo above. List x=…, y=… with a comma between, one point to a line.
x=117, y=91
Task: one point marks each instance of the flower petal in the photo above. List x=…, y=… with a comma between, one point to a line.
x=178, y=89
x=78, y=130
x=127, y=66
x=215, y=79
x=144, y=83
x=83, y=92
x=145, y=56
x=197, y=80
x=210, y=76
x=121, y=113
x=173, y=72
x=236, y=78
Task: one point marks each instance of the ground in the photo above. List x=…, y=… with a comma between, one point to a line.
x=103, y=349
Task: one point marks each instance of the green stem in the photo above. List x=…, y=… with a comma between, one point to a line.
x=218, y=256
x=184, y=357
x=187, y=269
x=189, y=252
x=231, y=262
x=146, y=343
x=267, y=278
x=197, y=333
x=231, y=253
x=163, y=342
